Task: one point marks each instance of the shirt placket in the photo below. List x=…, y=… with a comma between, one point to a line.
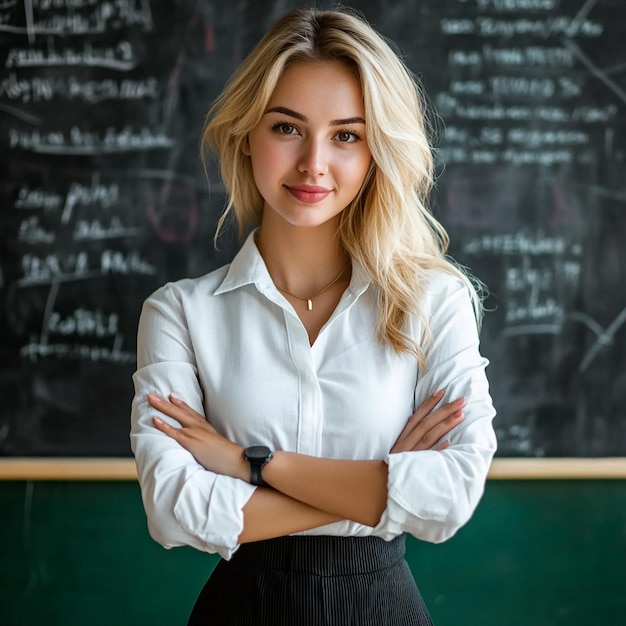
x=310, y=405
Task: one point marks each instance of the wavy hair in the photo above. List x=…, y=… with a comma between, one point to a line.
x=388, y=227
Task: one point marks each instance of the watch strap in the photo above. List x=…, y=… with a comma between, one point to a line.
x=258, y=457
x=256, y=475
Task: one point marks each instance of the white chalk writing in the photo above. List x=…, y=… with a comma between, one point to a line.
x=83, y=142
x=79, y=18
x=78, y=351
x=84, y=322
x=37, y=199
x=95, y=194
x=120, y=57
x=97, y=230
x=44, y=269
x=38, y=89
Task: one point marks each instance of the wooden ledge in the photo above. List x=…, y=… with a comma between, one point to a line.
x=124, y=469
x=552, y=469
x=61, y=468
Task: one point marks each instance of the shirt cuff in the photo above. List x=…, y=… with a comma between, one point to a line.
x=218, y=518
x=426, y=516
x=392, y=521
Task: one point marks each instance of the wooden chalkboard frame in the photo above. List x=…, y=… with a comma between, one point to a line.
x=123, y=469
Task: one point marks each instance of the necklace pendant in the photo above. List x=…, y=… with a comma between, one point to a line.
x=309, y=304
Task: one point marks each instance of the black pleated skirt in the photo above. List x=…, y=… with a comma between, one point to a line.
x=313, y=581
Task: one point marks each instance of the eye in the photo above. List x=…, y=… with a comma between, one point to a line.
x=284, y=128
x=347, y=136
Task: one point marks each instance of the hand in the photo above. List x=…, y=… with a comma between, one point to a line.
x=213, y=451
x=425, y=427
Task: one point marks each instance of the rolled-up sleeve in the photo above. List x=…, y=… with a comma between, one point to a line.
x=433, y=493
x=185, y=504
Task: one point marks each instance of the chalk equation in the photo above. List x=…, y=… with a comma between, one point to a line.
x=34, y=18
x=530, y=103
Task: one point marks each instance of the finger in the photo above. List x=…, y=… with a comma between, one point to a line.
x=425, y=440
x=183, y=405
x=438, y=432
x=427, y=406
x=181, y=412
x=415, y=429
x=421, y=412
x=420, y=440
x=166, y=428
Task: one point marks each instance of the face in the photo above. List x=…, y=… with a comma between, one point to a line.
x=309, y=152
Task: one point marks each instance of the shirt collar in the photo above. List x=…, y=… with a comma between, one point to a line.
x=248, y=267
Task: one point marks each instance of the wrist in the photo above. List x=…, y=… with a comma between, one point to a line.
x=241, y=467
x=257, y=457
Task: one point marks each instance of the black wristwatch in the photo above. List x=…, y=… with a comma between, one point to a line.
x=258, y=457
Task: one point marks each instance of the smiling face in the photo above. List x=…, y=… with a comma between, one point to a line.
x=309, y=152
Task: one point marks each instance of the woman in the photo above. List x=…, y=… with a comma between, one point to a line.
x=303, y=408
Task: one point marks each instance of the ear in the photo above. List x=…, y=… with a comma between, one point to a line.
x=245, y=147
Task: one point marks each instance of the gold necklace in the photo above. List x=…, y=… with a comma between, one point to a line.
x=309, y=301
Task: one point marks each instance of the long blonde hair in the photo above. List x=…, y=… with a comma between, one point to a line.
x=387, y=227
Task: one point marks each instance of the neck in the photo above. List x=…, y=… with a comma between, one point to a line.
x=302, y=260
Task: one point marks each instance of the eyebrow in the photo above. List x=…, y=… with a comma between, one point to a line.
x=304, y=118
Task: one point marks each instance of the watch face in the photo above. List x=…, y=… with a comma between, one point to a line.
x=257, y=453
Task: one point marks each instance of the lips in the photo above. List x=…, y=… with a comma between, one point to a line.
x=308, y=193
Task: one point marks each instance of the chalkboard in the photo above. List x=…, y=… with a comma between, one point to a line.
x=69, y=548
x=103, y=199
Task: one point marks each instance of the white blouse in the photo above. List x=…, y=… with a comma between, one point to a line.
x=233, y=348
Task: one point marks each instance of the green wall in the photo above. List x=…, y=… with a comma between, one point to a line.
x=536, y=553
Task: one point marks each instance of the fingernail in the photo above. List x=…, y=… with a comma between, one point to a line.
x=439, y=393
x=158, y=421
x=458, y=414
x=154, y=398
x=174, y=399
x=459, y=401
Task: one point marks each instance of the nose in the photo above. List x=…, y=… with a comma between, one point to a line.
x=313, y=158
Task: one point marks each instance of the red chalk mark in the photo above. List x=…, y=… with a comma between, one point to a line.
x=209, y=38
x=465, y=208
x=565, y=212
x=172, y=211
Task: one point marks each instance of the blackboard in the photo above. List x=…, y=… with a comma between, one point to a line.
x=103, y=198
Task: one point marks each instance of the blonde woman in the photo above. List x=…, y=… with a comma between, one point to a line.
x=302, y=409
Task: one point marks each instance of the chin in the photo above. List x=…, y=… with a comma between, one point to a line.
x=314, y=224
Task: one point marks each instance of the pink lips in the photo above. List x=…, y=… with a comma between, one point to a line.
x=308, y=193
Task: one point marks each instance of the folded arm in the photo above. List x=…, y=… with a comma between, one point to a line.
x=314, y=490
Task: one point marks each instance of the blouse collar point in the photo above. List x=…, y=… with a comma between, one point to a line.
x=246, y=268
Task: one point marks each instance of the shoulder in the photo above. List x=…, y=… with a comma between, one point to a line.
x=439, y=284
x=449, y=295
